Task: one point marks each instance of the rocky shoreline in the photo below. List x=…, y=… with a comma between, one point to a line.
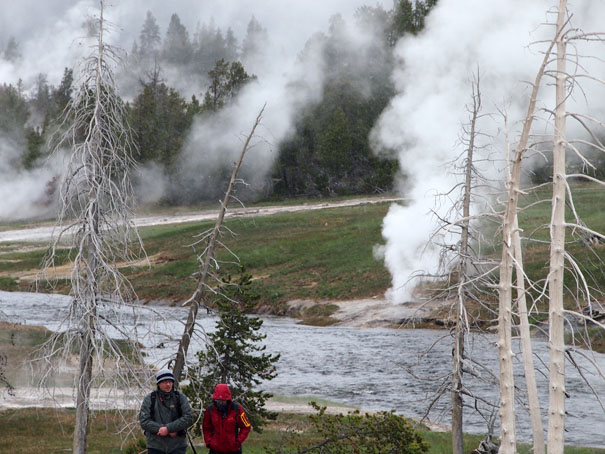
x=376, y=313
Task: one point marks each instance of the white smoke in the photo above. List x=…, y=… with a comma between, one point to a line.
x=286, y=82
x=149, y=183
x=27, y=194
x=51, y=36
x=423, y=122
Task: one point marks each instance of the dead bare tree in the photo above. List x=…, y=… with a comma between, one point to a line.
x=505, y=309
x=461, y=323
x=565, y=83
x=535, y=411
x=4, y=381
x=95, y=221
x=466, y=274
x=207, y=258
x=556, y=397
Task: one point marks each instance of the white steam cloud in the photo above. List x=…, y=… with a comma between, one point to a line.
x=284, y=85
x=423, y=122
x=26, y=194
x=51, y=36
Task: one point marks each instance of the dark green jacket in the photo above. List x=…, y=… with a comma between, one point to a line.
x=165, y=414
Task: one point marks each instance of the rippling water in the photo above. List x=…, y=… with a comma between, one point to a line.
x=373, y=369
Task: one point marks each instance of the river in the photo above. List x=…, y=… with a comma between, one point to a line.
x=373, y=369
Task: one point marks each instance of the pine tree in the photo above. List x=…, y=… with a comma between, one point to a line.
x=11, y=52
x=149, y=37
x=177, y=47
x=254, y=44
x=234, y=355
x=226, y=80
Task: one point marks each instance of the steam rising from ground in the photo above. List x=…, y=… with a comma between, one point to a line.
x=423, y=122
x=26, y=194
x=52, y=36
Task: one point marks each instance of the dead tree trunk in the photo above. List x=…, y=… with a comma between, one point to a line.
x=556, y=398
x=507, y=416
x=528, y=361
x=88, y=328
x=95, y=215
x=197, y=298
x=461, y=325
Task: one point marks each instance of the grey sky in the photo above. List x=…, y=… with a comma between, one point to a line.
x=48, y=31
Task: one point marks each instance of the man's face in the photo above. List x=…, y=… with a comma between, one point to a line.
x=166, y=385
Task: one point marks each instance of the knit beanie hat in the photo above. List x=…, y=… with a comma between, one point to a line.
x=164, y=374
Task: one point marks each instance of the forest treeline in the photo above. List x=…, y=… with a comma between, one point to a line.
x=329, y=150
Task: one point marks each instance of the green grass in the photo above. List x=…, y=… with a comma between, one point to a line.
x=325, y=254
x=589, y=200
x=321, y=255
x=54, y=430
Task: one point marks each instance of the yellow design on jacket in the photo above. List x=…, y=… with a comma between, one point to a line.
x=244, y=419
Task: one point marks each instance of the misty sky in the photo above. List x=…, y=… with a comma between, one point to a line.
x=48, y=31
x=421, y=125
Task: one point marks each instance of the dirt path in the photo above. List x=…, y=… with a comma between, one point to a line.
x=45, y=232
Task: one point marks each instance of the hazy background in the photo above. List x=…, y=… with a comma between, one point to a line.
x=503, y=41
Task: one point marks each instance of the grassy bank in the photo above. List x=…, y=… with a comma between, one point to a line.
x=322, y=254
x=54, y=429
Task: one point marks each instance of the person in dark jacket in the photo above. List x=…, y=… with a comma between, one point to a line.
x=165, y=416
x=225, y=424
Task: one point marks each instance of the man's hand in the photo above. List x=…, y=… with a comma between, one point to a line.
x=163, y=431
x=173, y=434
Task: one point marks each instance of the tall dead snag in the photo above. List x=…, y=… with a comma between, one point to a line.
x=505, y=353
x=556, y=394
x=465, y=274
x=460, y=312
x=207, y=259
x=535, y=412
x=95, y=221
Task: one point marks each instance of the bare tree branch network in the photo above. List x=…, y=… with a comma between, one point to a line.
x=207, y=259
x=95, y=228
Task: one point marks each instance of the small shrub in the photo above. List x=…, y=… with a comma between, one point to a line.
x=136, y=447
x=383, y=432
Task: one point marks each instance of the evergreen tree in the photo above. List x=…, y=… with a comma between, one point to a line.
x=14, y=112
x=62, y=95
x=254, y=44
x=226, y=80
x=177, y=47
x=231, y=51
x=11, y=52
x=41, y=99
x=35, y=142
x=161, y=119
x=234, y=355
x=408, y=16
x=218, y=89
x=212, y=45
x=330, y=151
x=149, y=37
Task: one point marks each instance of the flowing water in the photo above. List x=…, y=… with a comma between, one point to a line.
x=373, y=369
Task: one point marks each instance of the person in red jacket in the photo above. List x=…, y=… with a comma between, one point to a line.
x=225, y=424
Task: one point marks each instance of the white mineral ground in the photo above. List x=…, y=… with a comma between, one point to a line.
x=110, y=399
x=36, y=233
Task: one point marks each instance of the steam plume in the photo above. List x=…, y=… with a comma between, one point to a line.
x=423, y=122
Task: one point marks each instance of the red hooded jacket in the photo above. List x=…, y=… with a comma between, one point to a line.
x=219, y=431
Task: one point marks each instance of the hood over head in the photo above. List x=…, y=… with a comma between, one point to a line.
x=222, y=392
